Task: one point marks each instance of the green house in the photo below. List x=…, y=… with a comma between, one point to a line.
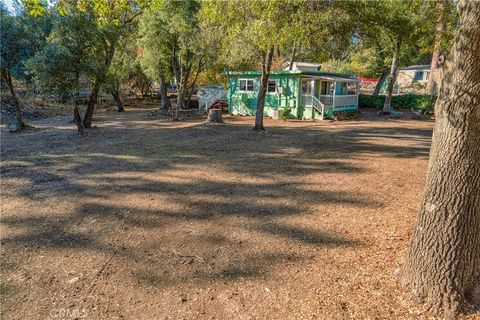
x=308, y=94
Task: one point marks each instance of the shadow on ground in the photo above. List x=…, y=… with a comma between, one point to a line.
x=216, y=178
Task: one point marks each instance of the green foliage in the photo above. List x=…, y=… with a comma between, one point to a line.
x=250, y=28
x=22, y=36
x=170, y=42
x=370, y=101
x=70, y=55
x=406, y=101
x=287, y=114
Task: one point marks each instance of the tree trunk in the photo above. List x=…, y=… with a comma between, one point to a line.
x=178, y=76
x=393, y=78
x=292, y=58
x=164, y=102
x=441, y=7
x=118, y=100
x=277, y=52
x=78, y=119
x=92, y=101
x=443, y=262
x=16, y=103
x=180, y=97
x=380, y=82
x=193, y=83
x=182, y=88
x=267, y=64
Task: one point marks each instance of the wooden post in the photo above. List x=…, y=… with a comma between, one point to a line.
x=357, y=91
x=214, y=115
x=334, y=93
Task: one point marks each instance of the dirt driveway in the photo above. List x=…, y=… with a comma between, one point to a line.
x=148, y=219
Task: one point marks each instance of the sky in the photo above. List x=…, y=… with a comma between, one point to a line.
x=8, y=4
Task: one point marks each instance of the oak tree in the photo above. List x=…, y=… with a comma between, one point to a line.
x=443, y=262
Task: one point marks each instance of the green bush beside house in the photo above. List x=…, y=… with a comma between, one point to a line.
x=405, y=101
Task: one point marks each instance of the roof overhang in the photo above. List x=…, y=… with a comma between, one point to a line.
x=330, y=76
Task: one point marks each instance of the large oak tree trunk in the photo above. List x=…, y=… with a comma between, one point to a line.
x=393, y=78
x=380, y=81
x=441, y=7
x=443, y=262
x=7, y=77
x=262, y=91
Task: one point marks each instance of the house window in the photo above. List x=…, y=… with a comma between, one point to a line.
x=351, y=88
x=421, y=76
x=272, y=86
x=246, y=85
x=306, y=87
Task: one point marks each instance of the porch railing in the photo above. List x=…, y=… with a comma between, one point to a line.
x=340, y=100
x=311, y=101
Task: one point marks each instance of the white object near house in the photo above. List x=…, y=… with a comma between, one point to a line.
x=209, y=94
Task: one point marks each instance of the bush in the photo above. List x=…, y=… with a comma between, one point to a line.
x=369, y=101
x=405, y=101
x=287, y=114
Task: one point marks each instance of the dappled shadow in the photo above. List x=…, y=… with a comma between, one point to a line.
x=193, y=202
x=305, y=235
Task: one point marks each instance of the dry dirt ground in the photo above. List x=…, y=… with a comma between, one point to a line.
x=148, y=219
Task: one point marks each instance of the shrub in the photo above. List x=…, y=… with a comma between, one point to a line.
x=405, y=101
x=369, y=101
x=287, y=114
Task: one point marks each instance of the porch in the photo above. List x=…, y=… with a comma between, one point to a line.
x=323, y=95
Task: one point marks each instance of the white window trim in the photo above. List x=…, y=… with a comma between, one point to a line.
x=246, y=85
x=276, y=86
x=424, y=75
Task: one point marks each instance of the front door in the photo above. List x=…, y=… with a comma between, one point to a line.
x=326, y=88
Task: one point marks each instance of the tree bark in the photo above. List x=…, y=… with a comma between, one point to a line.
x=292, y=57
x=190, y=93
x=380, y=82
x=443, y=262
x=393, y=78
x=164, y=102
x=78, y=119
x=92, y=101
x=440, y=7
x=7, y=77
x=118, y=100
x=266, y=65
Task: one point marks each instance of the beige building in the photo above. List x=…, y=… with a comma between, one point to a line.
x=413, y=78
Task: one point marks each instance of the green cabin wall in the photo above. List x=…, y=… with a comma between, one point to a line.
x=244, y=103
